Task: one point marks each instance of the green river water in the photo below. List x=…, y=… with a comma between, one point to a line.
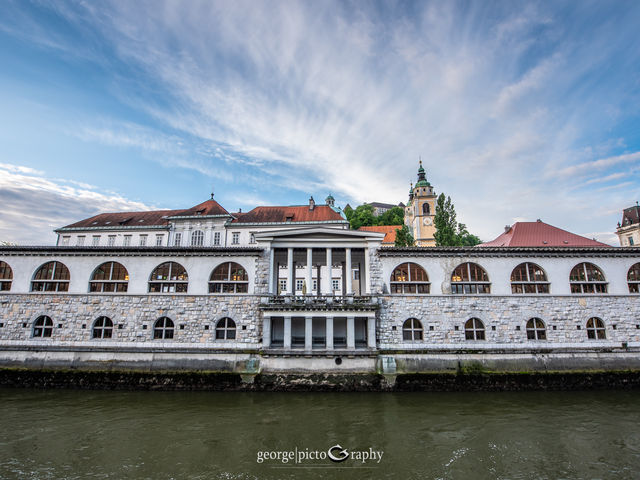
x=166, y=435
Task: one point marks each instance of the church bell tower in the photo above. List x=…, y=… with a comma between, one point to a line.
x=420, y=211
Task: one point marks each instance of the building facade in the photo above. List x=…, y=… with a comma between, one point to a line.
x=420, y=211
x=628, y=230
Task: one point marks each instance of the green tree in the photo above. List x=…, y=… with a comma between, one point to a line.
x=450, y=233
x=362, y=217
x=465, y=238
x=393, y=216
x=404, y=237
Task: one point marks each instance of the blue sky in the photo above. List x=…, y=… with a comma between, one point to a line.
x=519, y=110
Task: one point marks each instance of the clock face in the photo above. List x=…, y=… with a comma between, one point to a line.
x=427, y=221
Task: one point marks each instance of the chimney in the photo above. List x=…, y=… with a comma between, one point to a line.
x=507, y=228
x=312, y=203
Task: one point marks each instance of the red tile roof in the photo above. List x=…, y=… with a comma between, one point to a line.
x=540, y=234
x=388, y=230
x=210, y=207
x=302, y=213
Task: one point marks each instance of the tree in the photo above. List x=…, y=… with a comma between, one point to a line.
x=404, y=237
x=362, y=217
x=393, y=216
x=450, y=233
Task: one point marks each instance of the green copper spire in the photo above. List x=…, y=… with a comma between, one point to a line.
x=422, y=178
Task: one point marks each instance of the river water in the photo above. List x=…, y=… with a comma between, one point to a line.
x=168, y=435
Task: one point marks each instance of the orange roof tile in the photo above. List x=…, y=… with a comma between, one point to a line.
x=388, y=230
x=540, y=234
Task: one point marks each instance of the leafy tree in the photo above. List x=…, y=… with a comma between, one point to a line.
x=348, y=212
x=404, y=237
x=450, y=233
x=393, y=216
x=465, y=238
x=362, y=217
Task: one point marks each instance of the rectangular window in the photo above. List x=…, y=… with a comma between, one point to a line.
x=236, y=238
x=143, y=240
x=95, y=241
x=80, y=240
x=299, y=284
x=65, y=241
x=252, y=238
x=127, y=240
x=630, y=240
x=178, y=239
x=283, y=285
x=159, y=240
x=335, y=283
x=111, y=241
x=315, y=284
x=216, y=238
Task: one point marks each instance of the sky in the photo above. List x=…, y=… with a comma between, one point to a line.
x=519, y=110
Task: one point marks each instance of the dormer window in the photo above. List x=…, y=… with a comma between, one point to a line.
x=289, y=218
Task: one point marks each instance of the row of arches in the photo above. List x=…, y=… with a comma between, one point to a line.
x=103, y=327
x=168, y=277
x=526, y=278
x=474, y=329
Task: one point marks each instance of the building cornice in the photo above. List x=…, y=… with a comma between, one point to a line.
x=131, y=251
x=112, y=228
x=464, y=252
x=297, y=224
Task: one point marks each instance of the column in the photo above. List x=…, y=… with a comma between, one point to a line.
x=266, y=332
x=291, y=274
x=371, y=332
x=367, y=269
x=329, y=282
x=348, y=273
x=273, y=289
x=329, y=332
x=309, y=279
x=351, y=338
x=308, y=327
x=287, y=332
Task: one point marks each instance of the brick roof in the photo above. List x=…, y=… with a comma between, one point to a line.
x=540, y=234
x=302, y=213
x=388, y=230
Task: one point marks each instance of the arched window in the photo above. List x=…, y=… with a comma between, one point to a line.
x=102, y=328
x=595, y=329
x=169, y=277
x=536, y=329
x=529, y=278
x=225, y=329
x=42, y=327
x=426, y=210
x=409, y=278
x=197, y=238
x=163, y=328
x=229, y=277
x=109, y=277
x=412, y=330
x=587, y=278
x=633, y=278
x=474, y=329
x=51, y=277
x=6, y=275
x=470, y=278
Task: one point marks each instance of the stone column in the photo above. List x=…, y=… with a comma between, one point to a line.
x=287, y=332
x=351, y=337
x=291, y=274
x=329, y=273
x=309, y=272
x=273, y=287
x=308, y=331
x=371, y=332
x=348, y=272
x=367, y=270
x=266, y=332
x=329, y=332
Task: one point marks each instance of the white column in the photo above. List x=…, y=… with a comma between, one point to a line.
x=351, y=338
x=329, y=282
x=273, y=287
x=308, y=327
x=266, y=332
x=348, y=273
x=290, y=272
x=371, y=332
x=287, y=332
x=367, y=269
x=309, y=278
x=329, y=332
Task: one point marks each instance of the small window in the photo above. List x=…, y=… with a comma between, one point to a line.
x=109, y=277
x=163, y=329
x=595, y=329
x=102, y=328
x=299, y=284
x=126, y=240
x=426, y=209
x=633, y=278
x=631, y=241
x=474, y=329
x=65, y=241
x=470, y=278
x=95, y=241
x=229, y=277
x=252, y=238
x=536, y=329
x=143, y=240
x=177, y=239
x=6, y=277
x=216, y=238
x=529, y=278
x=587, y=278
x=51, y=277
x=159, y=240
x=226, y=329
x=169, y=277
x=315, y=285
x=80, y=241
x=409, y=278
x=197, y=238
x=111, y=240
x=282, y=285
x=335, y=284
x=412, y=330
x=236, y=238
x=43, y=327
